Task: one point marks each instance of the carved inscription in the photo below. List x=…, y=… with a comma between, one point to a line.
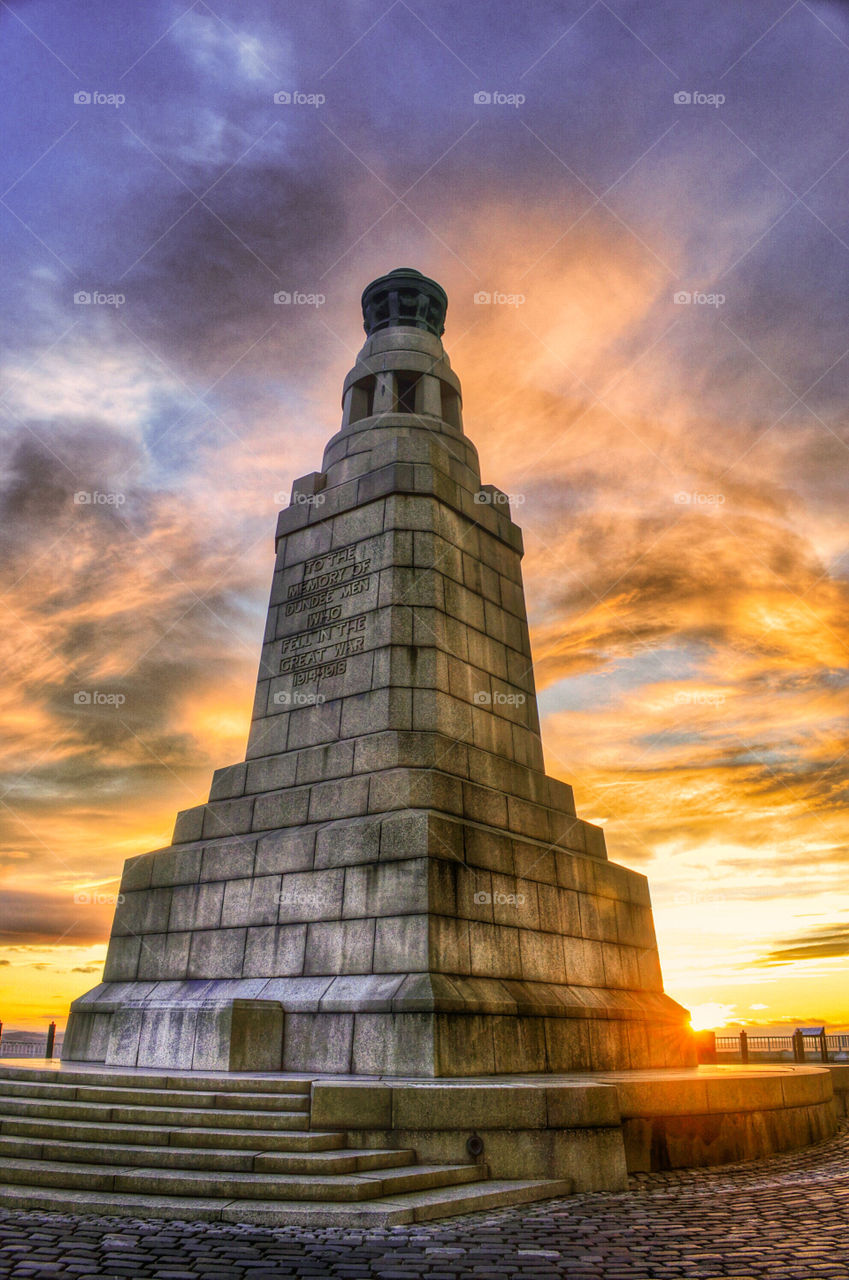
x=338, y=575
x=328, y=639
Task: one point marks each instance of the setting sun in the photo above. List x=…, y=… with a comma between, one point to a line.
x=710, y=1017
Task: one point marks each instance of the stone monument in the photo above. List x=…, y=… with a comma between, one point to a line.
x=389, y=882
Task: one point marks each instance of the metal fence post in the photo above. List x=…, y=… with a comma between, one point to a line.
x=51, y=1036
x=744, y=1047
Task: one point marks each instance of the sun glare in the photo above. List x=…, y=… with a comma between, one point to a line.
x=709, y=1017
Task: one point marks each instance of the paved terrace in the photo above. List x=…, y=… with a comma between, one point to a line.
x=782, y=1217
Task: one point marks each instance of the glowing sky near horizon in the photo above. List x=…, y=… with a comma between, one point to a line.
x=679, y=469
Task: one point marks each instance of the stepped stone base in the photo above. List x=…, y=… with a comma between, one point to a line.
x=375, y=1152
x=228, y=1148
x=415, y=942
x=180, y=1032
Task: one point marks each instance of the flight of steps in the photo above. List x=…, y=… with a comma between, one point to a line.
x=216, y=1148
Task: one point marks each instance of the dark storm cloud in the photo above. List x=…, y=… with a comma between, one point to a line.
x=206, y=290
x=48, y=463
x=52, y=918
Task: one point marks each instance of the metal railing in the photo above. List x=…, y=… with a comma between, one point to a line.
x=24, y=1048
x=795, y=1046
x=42, y=1047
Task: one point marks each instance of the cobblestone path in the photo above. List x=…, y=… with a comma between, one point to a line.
x=784, y=1217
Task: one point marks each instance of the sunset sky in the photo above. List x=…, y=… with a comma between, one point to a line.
x=679, y=468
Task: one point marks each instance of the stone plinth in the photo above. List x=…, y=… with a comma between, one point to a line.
x=592, y=1129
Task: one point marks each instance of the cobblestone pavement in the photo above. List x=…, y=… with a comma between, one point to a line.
x=784, y=1217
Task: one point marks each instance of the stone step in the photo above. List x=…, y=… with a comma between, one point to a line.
x=138, y=1078
x=418, y=1206
x=348, y=1160
x=166, y=1098
x=176, y=1117
x=234, y=1161
x=161, y=1135
x=346, y=1187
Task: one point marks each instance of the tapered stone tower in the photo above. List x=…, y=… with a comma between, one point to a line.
x=389, y=882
